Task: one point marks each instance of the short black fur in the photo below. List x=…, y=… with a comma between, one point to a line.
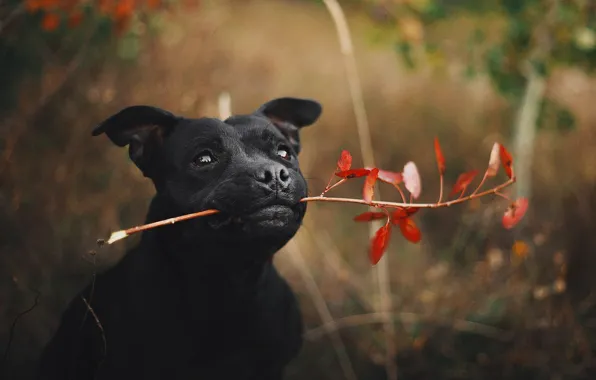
x=199, y=299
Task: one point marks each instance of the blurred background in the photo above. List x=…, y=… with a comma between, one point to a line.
x=470, y=301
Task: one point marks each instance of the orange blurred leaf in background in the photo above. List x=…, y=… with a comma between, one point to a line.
x=75, y=18
x=50, y=22
x=520, y=249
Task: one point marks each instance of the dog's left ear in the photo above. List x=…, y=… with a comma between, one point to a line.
x=291, y=114
x=143, y=129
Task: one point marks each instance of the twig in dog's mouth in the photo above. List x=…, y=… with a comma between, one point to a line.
x=122, y=234
x=402, y=210
x=119, y=235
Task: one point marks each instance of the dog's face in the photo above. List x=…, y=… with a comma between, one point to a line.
x=246, y=166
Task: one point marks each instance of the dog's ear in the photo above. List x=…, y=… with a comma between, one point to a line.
x=291, y=114
x=142, y=128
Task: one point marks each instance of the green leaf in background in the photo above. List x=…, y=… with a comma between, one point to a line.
x=519, y=33
x=555, y=117
x=129, y=46
x=491, y=313
x=405, y=50
x=513, y=7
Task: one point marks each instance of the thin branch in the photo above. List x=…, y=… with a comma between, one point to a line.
x=20, y=9
x=401, y=192
x=409, y=318
x=100, y=326
x=380, y=204
x=322, y=309
x=441, y=181
x=341, y=181
x=332, y=256
x=13, y=327
x=119, y=235
x=366, y=147
x=481, y=183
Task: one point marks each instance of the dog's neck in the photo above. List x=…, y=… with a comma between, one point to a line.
x=233, y=266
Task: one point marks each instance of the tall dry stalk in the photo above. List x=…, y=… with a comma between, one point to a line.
x=347, y=50
x=225, y=111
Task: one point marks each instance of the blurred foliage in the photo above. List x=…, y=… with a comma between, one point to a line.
x=508, y=35
x=37, y=33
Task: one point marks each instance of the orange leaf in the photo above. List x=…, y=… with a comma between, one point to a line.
x=379, y=244
x=494, y=161
x=32, y=5
x=369, y=185
x=410, y=230
x=402, y=213
x=370, y=216
x=124, y=9
x=520, y=249
x=345, y=161
x=463, y=181
x=515, y=213
x=75, y=18
x=50, y=22
x=412, y=179
x=393, y=178
x=506, y=160
x=439, y=156
x=352, y=173
x=152, y=4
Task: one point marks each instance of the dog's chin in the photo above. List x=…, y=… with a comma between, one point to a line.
x=274, y=221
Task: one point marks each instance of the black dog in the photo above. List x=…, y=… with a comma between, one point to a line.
x=199, y=299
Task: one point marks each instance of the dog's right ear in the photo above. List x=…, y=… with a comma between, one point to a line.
x=142, y=128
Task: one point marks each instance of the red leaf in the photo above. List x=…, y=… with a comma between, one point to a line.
x=493, y=161
x=50, y=22
x=410, y=230
x=440, y=158
x=412, y=179
x=369, y=185
x=345, y=161
x=393, y=178
x=506, y=160
x=379, y=244
x=370, y=216
x=402, y=213
x=515, y=213
x=463, y=181
x=352, y=173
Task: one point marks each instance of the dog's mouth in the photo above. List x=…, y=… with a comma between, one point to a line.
x=275, y=216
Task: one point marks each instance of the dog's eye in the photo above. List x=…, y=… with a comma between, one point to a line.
x=284, y=152
x=203, y=158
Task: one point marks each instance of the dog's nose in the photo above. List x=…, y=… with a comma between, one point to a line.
x=273, y=176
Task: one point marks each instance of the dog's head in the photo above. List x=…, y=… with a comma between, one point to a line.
x=246, y=166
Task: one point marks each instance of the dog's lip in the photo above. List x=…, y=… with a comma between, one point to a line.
x=263, y=212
